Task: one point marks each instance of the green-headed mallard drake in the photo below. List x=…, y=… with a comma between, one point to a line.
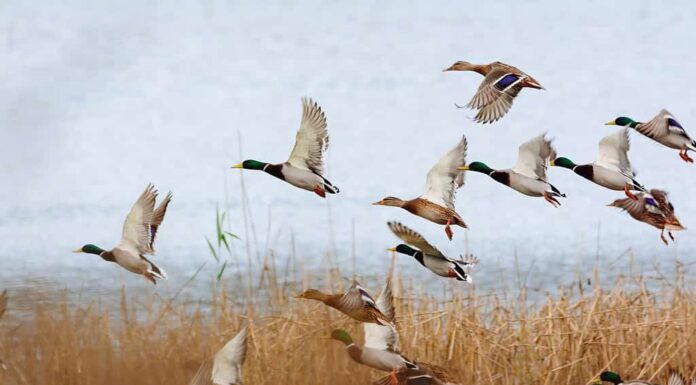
x=386, y=360
x=382, y=344
x=437, y=204
x=424, y=374
x=356, y=303
x=615, y=379
x=653, y=208
x=305, y=167
x=430, y=257
x=500, y=86
x=612, y=169
x=529, y=174
x=138, y=238
x=664, y=129
x=226, y=367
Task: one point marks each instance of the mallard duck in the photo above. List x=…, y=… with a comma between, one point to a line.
x=305, y=167
x=382, y=344
x=663, y=129
x=529, y=174
x=425, y=374
x=612, y=169
x=437, y=204
x=615, y=379
x=226, y=367
x=501, y=84
x=385, y=360
x=355, y=303
x=430, y=257
x=139, y=231
x=654, y=209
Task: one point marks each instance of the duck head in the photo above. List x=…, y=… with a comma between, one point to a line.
x=611, y=377
x=563, y=162
x=459, y=66
x=312, y=294
x=390, y=201
x=477, y=167
x=404, y=249
x=89, y=249
x=251, y=164
x=623, y=122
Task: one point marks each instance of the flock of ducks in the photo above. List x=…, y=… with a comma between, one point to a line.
x=304, y=169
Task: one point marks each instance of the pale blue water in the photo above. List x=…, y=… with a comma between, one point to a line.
x=99, y=100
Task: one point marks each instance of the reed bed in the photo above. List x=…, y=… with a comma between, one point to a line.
x=481, y=338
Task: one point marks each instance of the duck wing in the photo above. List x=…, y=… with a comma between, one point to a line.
x=444, y=179
x=613, y=152
x=413, y=238
x=533, y=156
x=137, y=230
x=356, y=299
x=158, y=217
x=227, y=364
x=312, y=139
x=662, y=125
x=496, y=93
x=383, y=337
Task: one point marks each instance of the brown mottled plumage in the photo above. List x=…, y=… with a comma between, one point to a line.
x=501, y=84
x=654, y=209
x=355, y=303
x=425, y=374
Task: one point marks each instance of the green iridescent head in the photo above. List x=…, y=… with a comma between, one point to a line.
x=563, y=162
x=611, y=377
x=404, y=249
x=251, y=164
x=478, y=167
x=623, y=122
x=341, y=335
x=89, y=249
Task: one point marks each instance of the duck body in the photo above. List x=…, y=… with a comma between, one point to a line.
x=501, y=85
x=355, y=303
x=304, y=179
x=433, y=212
x=384, y=360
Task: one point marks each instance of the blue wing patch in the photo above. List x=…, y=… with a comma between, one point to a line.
x=674, y=123
x=506, y=81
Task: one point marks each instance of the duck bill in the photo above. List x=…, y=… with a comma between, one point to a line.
x=238, y=165
x=392, y=249
x=380, y=203
x=463, y=168
x=77, y=251
x=612, y=123
x=450, y=68
x=552, y=163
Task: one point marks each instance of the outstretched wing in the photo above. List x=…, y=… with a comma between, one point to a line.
x=496, y=93
x=533, y=157
x=383, y=337
x=312, y=139
x=227, y=365
x=662, y=125
x=158, y=217
x=412, y=238
x=137, y=232
x=444, y=179
x=613, y=152
x=355, y=299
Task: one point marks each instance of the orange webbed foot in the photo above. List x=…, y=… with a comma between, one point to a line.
x=319, y=190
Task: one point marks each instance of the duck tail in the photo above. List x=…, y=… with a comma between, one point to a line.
x=155, y=270
x=556, y=192
x=330, y=188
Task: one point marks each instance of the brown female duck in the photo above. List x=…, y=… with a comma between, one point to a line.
x=437, y=204
x=356, y=303
x=501, y=84
x=654, y=209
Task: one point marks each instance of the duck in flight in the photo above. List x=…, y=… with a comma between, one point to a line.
x=612, y=169
x=529, y=174
x=437, y=204
x=501, y=84
x=653, y=208
x=663, y=129
x=138, y=238
x=305, y=167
